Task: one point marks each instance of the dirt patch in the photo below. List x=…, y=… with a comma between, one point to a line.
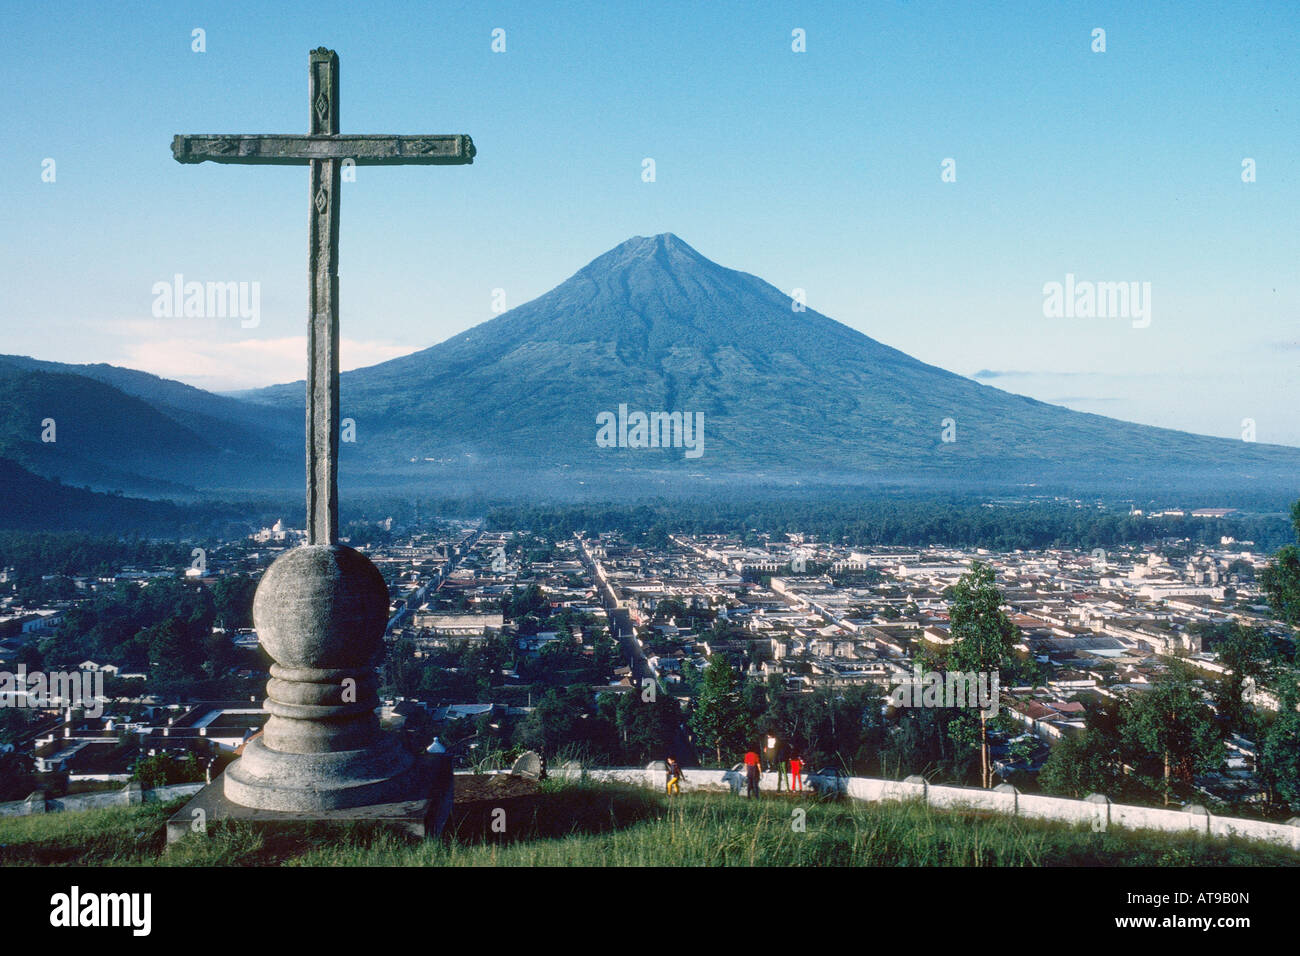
x=491, y=805
x=498, y=786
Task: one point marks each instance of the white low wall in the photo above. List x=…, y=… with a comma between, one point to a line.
x=1042, y=807
x=972, y=798
x=129, y=795
x=1254, y=830
x=1096, y=811
x=1155, y=818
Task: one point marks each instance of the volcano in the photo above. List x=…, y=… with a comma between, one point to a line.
x=654, y=326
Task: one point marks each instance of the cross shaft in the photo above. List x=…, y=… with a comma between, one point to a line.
x=325, y=150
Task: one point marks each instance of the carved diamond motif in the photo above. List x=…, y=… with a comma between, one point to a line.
x=322, y=106
x=321, y=200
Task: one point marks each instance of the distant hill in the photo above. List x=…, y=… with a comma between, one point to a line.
x=32, y=503
x=118, y=429
x=185, y=403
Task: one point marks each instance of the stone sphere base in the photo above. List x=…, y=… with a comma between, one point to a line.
x=267, y=779
x=320, y=612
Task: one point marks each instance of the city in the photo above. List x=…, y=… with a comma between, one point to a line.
x=485, y=622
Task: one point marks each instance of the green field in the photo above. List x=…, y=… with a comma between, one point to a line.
x=582, y=825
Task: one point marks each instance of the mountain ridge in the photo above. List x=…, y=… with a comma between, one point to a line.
x=787, y=396
x=137, y=438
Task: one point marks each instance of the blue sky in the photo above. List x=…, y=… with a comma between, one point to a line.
x=816, y=170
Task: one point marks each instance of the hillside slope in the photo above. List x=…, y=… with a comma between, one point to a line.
x=159, y=438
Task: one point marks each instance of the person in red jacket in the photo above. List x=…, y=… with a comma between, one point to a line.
x=752, y=769
x=796, y=771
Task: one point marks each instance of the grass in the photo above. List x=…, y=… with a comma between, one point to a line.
x=585, y=825
x=120, y=835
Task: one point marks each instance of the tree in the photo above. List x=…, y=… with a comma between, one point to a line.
x=172, y=652
x=17, y=779
x=1174, y=724
x=1023, y=748
x=648, y=728
x=757, y=700
x=520, y=603
x=233, y=597
x=1243, y=569
x=670, y=607
x=163, y=769
x=920, y=742
x=1080, y=765
x=719, y=717
x=564, y=719
x=560, y=663
x=14, y=722
x=840, y=728
x=605, y=654
x=1279, y=750
x=1245, y=651
x=1280, y=581
x=401, y=672
x=983, y=637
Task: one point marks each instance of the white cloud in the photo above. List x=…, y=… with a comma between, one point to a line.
x=243, y=362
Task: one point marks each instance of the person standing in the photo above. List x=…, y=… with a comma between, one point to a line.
x=674, y=776
x=796, y=771
x=774, y=758
x=752, y=769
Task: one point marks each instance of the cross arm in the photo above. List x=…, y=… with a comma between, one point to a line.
x=290, y=150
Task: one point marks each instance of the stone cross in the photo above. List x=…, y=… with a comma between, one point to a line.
x=325, y=150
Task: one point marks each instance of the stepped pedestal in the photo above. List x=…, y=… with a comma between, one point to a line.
x=320, y=612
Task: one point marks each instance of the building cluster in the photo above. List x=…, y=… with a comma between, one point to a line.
x=814, y=616
x=81, y=749
x=801, y=614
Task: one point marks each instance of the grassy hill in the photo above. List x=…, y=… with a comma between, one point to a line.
x=567, y=824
